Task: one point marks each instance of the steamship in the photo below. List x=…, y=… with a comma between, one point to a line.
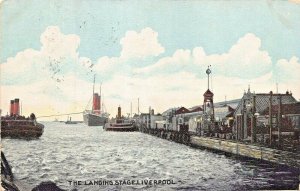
x=95, y=117
x=120, y=124
x=91, y=118
x=17, y=126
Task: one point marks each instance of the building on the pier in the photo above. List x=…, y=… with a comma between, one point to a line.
x=173, y=117
x=224, y=112
x=177, y=118
x=144, y=119
x=197, y=108
x=252, y=121
x=149, y=119
x=135, y=117
x=157, y=121
x=192, y=117
x=289, y=111
x=224, y=118
x=161, y=124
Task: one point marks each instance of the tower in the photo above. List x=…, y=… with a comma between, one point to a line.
x=208, y=103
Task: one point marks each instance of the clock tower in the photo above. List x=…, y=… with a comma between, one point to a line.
x=208, y=104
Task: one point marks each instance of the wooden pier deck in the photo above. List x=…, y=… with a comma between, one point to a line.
x=257, y=152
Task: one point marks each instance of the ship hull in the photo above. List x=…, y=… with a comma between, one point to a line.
x=124, y=127
x=94, y=120
x=22, y=131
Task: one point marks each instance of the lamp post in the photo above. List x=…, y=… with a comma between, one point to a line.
x=254, y=126
x=279, y=120
x=244, y=126
x=251, y=111
x=200, y=125
x=238, y=125
x=270, y=117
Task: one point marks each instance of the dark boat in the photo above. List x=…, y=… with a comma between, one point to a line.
x=17, y=126
x=69, y=121
x=95, y=117
x=121, y=124
x=21, y=128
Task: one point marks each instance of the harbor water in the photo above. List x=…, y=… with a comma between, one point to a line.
x=89, y=158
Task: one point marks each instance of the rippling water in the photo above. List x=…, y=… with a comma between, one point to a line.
x=80, y=153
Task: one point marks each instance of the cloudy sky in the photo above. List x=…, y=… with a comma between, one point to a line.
x=156, y=51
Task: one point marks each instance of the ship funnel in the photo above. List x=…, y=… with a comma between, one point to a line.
x=99, y=103
x=12, y=107
x=16, y=107
x=119, y=112
x=96, y=102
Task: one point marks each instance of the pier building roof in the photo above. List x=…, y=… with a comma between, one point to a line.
x=181, y=110
x=223, y=112
x=293, y=108
x=262, y=100
x=196, y=109
x=169, y=111
x=232, y=103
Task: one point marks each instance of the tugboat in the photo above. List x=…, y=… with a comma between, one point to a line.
x=16, y=126
x=95, y=117
x=120, y=124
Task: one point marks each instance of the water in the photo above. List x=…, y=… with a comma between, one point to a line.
x=79, y=153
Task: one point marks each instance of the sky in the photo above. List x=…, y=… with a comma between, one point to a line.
x=154, y=51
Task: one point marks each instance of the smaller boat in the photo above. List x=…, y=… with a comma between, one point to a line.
x=69, y=121
x=120, y=124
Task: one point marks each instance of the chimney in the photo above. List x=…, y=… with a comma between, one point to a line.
x=99, y=103
x=12, y=107
x=119, y=112
x=95, y=101
x=17, y=107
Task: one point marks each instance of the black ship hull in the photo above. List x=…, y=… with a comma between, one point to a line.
x=26, y=131
x=94, y=120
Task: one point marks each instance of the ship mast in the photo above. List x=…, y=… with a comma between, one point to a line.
x=138, y=106
x=100, y=97
x=93, y=91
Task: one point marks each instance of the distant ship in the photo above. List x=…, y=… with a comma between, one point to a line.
x=69, y=121
x=96, y=116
